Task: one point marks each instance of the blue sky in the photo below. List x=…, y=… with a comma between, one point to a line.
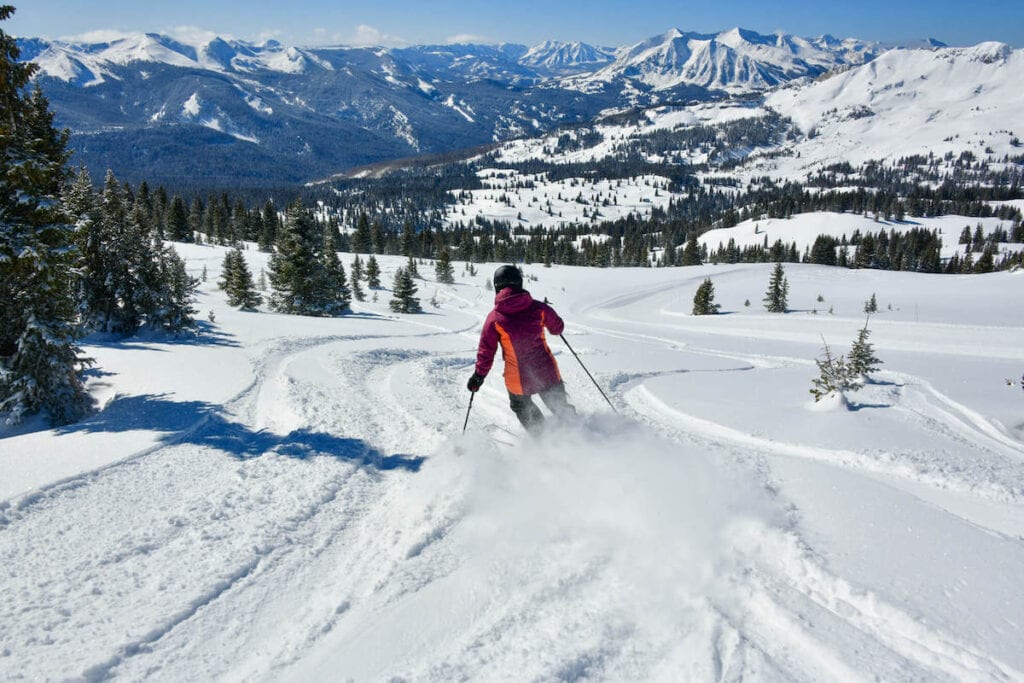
x=600, y=22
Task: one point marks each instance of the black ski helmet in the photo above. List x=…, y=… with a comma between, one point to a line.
x=507, y=276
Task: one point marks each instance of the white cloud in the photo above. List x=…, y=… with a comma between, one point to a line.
x=368, y=35
x=100, y=36
x=468, y=39
x=194, y=35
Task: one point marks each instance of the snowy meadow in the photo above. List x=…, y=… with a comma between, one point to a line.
x=291, y=498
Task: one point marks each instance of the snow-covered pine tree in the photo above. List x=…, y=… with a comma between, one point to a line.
x=775, y=299
x=704, y=299
x=236, y=281
x=404, y=300
x=293, y=265
x=833, y=378
x=443, y=269
x=39, y=358
x=177, y=294
x=372, y=273
x=862, y=361
x=871, y=305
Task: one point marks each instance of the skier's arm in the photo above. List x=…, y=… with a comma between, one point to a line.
x=552, y=321
x=487, y=348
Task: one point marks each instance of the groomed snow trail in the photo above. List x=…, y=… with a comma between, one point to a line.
x=329, y=523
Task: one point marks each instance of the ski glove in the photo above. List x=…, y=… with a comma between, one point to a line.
x=475, y=382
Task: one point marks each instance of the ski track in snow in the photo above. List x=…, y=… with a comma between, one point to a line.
x=325, y=504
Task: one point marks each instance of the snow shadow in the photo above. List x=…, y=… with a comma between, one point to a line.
x=205, y=334
x=202, y=424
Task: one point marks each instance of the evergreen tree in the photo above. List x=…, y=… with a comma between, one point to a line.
x=775, y=299
x=862, y=355
x=177, y=227
x=372, y=273
x=704, y=299
x=293, y=265
x=361, y=237
x=357, y=274
x=833, y=378
x=871, y=305
x=691, y=252
x=237, y=282
x=404, y=290
x=333, y=294
x=443, y=269
x=177, y=293
x=39, y=356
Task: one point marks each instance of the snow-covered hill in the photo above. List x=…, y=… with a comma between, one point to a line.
x=287, y=498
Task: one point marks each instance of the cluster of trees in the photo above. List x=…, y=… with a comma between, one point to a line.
x=839, y=374
x=72, y=261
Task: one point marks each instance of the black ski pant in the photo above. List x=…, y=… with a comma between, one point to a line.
x=556, y=400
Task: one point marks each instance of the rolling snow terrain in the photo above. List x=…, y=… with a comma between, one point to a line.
x=290, y=498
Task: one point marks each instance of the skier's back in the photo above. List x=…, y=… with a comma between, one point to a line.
x=517, y=324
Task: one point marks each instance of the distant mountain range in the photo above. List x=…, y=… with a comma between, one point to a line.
x=233, y=113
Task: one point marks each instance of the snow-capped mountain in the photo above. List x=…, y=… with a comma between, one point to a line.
x=201, y=110
x=736, y=60
x=565, y=58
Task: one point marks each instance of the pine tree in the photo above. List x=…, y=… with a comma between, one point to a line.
x=871, y=305
x=333, y=293
x=704, y=299
x=775, y=299
x=177, y=227
x=293, y=265
x=834, y=377
x=177, y=294
x=357, y=275
x=361, y=237
x=39, y=357
x=404, y=290
x=691, y=252
x=237, y=282
x=372, y=273
x=443, y=269
x=863, y=361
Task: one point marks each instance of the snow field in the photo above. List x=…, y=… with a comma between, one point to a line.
x=298, y=501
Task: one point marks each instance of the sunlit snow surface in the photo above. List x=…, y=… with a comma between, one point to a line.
x=288, y=498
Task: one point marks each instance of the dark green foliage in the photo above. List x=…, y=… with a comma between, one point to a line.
x=863, y=361
x=443, y=269
x=404, y=290
x=776, y=298
x=357, y=276
x=704, y=299
x=871, y=305
x=306, y=275
x=39, y=356
x=833, y=377
x=372, y=273
x=237, y=282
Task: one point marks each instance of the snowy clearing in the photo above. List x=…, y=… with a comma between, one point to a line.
x=289, y=498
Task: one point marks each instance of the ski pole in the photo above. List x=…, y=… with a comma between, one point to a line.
x=588, y=374
x=466, y=423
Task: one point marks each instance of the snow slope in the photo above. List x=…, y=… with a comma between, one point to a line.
x=287, y=498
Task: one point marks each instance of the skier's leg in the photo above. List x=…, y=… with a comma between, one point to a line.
x=527, y=411
x=557, y=401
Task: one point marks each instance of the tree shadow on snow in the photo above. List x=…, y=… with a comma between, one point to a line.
x=205, y=334
x=201, y=424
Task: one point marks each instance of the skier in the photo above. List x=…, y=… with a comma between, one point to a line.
x=517, y=323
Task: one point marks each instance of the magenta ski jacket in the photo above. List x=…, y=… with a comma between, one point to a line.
x=517, y=323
